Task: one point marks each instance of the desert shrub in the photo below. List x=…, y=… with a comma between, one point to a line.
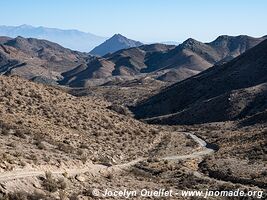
x=62, y=184
x=34, y=158
x=83, y=146
x=190, y=181
x=83, y=158
x=65, y=148
x=191, y=143
x=119, y=109
x=154, y=131
x=20, y=134
x=80, y=152
x=166, y=162
x=40, y=144
x=89, y=193
x=74, y=197
x=109, y=176
x=12, y=144
x=49, y=183
x=17, y=196
x=140, y=173
x=17, y=154
x=264, y=173
x=4, y=131
x=46, y=158
x=52, y=185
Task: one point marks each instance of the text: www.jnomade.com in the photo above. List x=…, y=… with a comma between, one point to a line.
x=171, y=193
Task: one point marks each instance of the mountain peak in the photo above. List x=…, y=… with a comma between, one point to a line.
x=115, y=43
x=18, y=42
x=223, y=37
x=190, y=42
x=118, y=35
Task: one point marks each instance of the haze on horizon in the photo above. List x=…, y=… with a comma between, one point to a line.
x=149, y=21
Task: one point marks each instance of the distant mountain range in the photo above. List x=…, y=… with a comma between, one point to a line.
x=230, y=91
x=164, y=62
x=113, y=44
x=45, y=61
x=73, y=39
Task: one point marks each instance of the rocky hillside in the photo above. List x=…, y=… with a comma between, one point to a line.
x=224, y=92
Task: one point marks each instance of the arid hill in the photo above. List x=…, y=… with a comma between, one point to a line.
x=30, y=58
x=48, y=113
x=42, y=128
x=126, y=63
x=167, y=63
x=224, y=92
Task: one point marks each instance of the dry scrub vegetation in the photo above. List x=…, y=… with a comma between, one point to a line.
x=47, y=119
x=45, y=128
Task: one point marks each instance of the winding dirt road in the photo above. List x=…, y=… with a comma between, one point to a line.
x=206, y=150
x=99, y=169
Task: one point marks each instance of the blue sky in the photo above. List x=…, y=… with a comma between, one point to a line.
x=144, y=20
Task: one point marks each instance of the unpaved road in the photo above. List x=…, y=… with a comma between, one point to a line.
x=24, y=173
x=99, y=169
x=206, y=150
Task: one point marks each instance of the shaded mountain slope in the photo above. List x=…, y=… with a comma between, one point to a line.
x=78, y=76
x=215, y=90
